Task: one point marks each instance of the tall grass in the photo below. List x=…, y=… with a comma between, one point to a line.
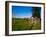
x=25, y=24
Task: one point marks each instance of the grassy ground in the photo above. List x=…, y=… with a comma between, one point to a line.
x=25, y=24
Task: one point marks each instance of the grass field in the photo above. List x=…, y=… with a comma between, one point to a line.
x=25, y=24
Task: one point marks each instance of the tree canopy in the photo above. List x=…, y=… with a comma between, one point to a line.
x=36, y=12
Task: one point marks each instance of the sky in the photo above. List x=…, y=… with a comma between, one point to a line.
x=21, y=12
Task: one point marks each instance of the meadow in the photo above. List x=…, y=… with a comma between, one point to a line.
x=19, y=24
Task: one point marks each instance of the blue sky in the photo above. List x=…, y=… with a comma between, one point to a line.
x=21, y=11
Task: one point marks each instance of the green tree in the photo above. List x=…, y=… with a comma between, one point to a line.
x=36, y=11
